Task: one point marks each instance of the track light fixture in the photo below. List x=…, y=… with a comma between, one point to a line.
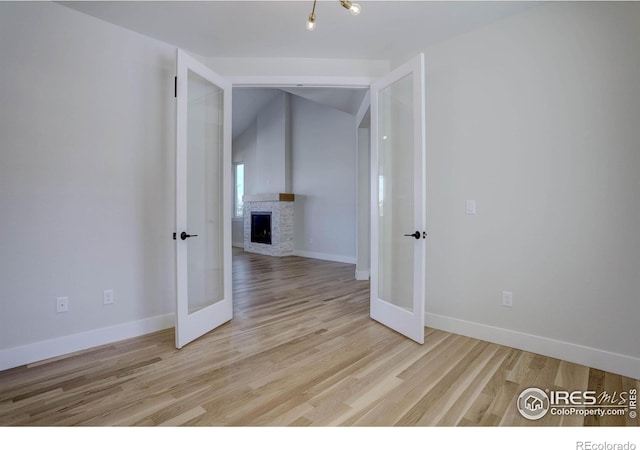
x=354, y=9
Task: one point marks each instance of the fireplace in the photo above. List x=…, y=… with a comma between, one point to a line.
x=261, y=227
x=268, y=224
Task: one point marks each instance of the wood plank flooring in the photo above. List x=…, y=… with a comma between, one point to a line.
x=301, y=350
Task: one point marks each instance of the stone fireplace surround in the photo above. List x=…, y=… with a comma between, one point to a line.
x=281, y=208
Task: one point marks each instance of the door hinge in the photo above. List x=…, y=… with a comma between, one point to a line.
x=175, y=87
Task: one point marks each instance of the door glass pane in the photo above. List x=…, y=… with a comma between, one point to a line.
x=205, y=254
x=395, y=194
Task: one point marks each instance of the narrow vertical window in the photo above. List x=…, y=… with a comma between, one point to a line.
x=238, y=175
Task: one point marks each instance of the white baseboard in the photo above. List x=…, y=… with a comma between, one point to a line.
x=326, y=256
x=362, y=275
x=587, y=356
x=237, y=244
x=38, y=351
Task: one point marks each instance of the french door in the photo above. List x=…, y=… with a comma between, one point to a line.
x=398, y=216
x=203, y=200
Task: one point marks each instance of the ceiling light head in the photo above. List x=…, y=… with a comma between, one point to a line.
x=311, y=22
x=354, y=8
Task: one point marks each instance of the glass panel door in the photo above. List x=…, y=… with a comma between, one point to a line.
x=398, y=210
x=203, y=238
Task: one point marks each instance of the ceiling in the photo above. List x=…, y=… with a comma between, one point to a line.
x=385, y=30
x=247, y=102
x=344, y=99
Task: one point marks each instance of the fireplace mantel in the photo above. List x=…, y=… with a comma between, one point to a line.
x=268, y=197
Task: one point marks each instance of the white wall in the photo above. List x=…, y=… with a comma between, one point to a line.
x=245, y=147
x=536, y=118
x=324, y=180
x=265, y=150
x=86, y=180
x=244, y=150
x=270, y=175
x=263, y=147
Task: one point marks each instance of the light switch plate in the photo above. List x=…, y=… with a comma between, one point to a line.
x=470, y=207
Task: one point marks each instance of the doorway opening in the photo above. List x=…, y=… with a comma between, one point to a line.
x=308, y=142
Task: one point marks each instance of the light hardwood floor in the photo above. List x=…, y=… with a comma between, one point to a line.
x=301, y=350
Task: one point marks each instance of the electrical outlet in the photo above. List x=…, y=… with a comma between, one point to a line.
x=108, y=297
x=62, y=304
x=507, y=299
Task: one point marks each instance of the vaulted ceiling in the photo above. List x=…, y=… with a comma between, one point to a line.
x=247, y=102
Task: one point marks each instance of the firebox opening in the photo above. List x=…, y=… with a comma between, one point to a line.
x=261, y=227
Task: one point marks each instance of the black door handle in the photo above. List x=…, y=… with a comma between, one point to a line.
x=184, y=235
x=415, y=235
